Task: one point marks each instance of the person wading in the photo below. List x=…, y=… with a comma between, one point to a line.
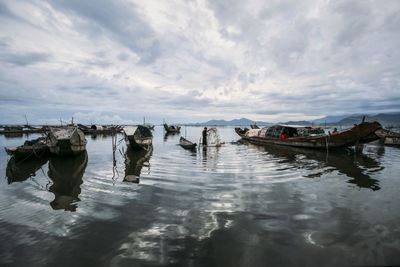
x=205, y=136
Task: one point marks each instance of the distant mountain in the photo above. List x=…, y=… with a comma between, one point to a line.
x=384, y=119
x=300, y=123
x=342, y=120
x=236, y=122
x=329, y=119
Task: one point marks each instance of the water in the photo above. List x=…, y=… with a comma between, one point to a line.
x=234, y=205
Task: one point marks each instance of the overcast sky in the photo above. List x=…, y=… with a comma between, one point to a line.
x=191, y=61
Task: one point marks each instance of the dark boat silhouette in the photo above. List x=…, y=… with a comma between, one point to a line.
x=66, y=174
x=134, y=162
x=346, y=161
x=19, y=171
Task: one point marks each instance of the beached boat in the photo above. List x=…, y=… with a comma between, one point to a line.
x=67, y=140
x=183, y=142
x=31, y=148
x=134, y=162
x=138, y=137
x=172, y=128
x=289, y=136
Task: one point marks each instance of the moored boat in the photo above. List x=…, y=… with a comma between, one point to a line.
x=172, y=128
x=183, y=142
x=138, y=137
x=67, y=140
x=289, y=136
x=31, y=148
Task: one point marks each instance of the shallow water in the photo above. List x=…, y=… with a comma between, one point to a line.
x=236, y=205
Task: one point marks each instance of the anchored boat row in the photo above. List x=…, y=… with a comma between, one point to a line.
x=70, y=140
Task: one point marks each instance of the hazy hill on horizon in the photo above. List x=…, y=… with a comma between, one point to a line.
x=342, y=120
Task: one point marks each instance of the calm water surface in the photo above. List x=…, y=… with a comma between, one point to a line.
x=237, y=205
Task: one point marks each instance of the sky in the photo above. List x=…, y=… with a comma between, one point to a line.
x=117, y=61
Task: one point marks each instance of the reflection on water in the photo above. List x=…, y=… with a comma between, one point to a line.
x=19, y=171
x=346, y=161
x=66, y=174
x=234, y=205
x=134, y=162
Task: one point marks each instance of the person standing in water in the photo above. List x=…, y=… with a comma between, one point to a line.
x=205, y=136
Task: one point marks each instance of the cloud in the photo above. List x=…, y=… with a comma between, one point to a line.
x=24, y=59
x=256, y=59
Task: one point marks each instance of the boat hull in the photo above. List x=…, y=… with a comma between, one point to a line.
x=65, y=148
x=361, y=133
x=187, y=144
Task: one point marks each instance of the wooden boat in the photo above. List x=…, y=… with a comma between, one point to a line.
x=183, y=142
x=67, y=140
x=138, y=137
x=288, y=136
x=134, y=162
x=31, y=148
x=172, y=128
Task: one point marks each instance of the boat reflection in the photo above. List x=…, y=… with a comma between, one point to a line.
x=66, y=174
x=19, y=171
x=346, y=161
x=134, y=162
x=170, y=134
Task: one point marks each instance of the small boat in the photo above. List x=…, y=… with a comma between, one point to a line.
x=289, y=136
x=138, y=137
x=254, y=126
x=183, y=142
x=172, y=128
x=31, y=148
x=67, y=140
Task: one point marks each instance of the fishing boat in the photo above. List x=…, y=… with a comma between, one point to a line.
x=134, y=162
x=289, y=136
x=66, y=141
x=31, y=148
x=172, y=128
x=138, y=137
x=183, y=142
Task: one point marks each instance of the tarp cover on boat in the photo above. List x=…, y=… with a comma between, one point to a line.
x=138, y=130
x=72, y=133
x=252, y=132
x=62, y=133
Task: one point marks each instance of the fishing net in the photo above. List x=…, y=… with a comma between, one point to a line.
x=213, y=138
